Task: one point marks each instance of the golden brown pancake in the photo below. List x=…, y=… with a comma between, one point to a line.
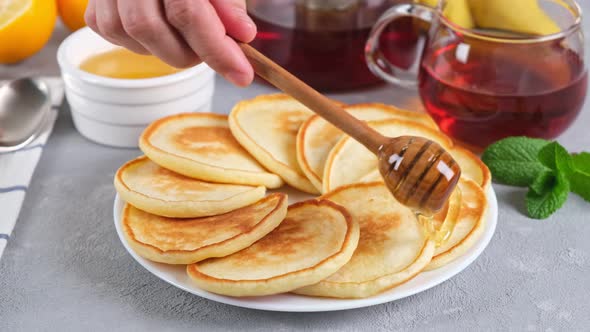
x=186, y=241
x=394, y=113
x=349, y=161
x=201, y=146
x=315, y=240
x=468, y=228
x=465, y=216
x=472, y=167
x=373, y=176
x=392, y=248
x=267, y=127
x=443, y=221
x=156, y=190
x=317, y=137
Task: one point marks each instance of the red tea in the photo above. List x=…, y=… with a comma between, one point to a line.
x=537, y=91
x=326, y=48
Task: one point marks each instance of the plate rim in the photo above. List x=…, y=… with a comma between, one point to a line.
x=432, y=278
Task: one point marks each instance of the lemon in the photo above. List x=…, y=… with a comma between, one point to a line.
x=11, y=10
x=524, y=16
x=457, y=11
x=72, y=13
x=520, y=16
x=25, y=27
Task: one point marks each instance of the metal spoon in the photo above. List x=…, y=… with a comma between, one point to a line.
x=24, y=107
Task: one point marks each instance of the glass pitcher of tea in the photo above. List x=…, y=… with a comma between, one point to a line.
x=322, y=41
x=512, y=68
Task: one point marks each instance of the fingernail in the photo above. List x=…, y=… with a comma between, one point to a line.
x=250, y=28
x=248, y=21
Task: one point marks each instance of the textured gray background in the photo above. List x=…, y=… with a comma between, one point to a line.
x=65, y=270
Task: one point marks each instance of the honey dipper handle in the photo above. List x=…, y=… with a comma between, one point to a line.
x=323, y=106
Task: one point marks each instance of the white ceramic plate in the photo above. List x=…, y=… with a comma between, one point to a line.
x=176, y=275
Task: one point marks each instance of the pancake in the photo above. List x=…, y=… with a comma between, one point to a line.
x=317, y=137
x=443, y=221
x=156, y=190
x=315, y=240
x=349, y=161
x=201, y=146
x=373, y=176
x=394, y=113
x=472, y=167
x=392, y=247
x=186, y=241
x=468, y=228
x=267, y=127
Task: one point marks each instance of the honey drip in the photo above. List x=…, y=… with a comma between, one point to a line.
x=440, y=232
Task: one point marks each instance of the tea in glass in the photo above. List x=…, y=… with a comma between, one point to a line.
x=512, y=75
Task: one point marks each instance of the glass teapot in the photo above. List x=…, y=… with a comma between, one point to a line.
x=322, y=41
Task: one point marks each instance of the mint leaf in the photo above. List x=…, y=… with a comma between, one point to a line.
x=556, y=157
x=580, y=178
x=581, y=162
x=580, y=184
x=544, y=182
x=542, y=205
x=514, y=160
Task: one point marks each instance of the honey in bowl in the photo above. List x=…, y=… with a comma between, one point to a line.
x=124, y=64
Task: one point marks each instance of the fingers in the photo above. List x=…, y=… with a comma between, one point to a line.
x=235, y=18
x=90, y=15
x=109, y=24
x=144, y=21
x=198, y=22
x=180, y=32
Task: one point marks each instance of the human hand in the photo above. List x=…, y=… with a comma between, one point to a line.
x=180, y=32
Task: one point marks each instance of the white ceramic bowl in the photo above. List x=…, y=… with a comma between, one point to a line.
x=115, y=111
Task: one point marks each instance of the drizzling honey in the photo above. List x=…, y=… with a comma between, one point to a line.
x=124, y=64
x=419, y=172
x=440, y=226
x=423, y=176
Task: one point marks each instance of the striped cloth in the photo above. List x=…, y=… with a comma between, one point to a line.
x=17, y=168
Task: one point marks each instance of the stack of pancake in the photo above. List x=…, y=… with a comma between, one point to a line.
x=199, y=198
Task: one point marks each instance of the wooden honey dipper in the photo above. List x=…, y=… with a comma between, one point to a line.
x=419, y=172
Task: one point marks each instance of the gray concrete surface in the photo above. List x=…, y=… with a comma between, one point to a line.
x=65, y=270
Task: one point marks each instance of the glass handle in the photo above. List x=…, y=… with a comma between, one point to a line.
x=376, y=61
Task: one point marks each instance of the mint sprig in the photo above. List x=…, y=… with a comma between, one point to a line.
x=545, y=167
